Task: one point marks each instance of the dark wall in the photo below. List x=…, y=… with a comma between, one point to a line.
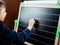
x=12, y=12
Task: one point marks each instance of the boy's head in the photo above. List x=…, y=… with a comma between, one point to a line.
x=2, y=11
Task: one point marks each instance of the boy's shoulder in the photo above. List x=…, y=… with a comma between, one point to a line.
x=1, y=24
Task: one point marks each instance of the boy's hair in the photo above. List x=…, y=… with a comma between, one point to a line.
x=2, y=3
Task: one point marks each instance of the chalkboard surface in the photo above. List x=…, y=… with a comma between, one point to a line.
x=44, y=30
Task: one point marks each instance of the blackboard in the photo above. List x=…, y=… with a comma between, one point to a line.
x=47, y=24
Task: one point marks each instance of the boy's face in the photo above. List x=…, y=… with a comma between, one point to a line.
x=2, y=13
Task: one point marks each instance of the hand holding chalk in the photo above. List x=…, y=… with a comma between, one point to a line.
x=31, y=24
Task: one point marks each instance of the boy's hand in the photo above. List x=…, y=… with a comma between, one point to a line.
x=31, y=23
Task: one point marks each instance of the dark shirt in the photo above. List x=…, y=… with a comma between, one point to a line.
x=8, y=37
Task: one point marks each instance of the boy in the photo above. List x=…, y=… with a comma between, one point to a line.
x=7, y=36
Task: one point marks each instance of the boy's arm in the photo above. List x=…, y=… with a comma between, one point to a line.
x=22, y=36
x=15, y=37
x=12, y=35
